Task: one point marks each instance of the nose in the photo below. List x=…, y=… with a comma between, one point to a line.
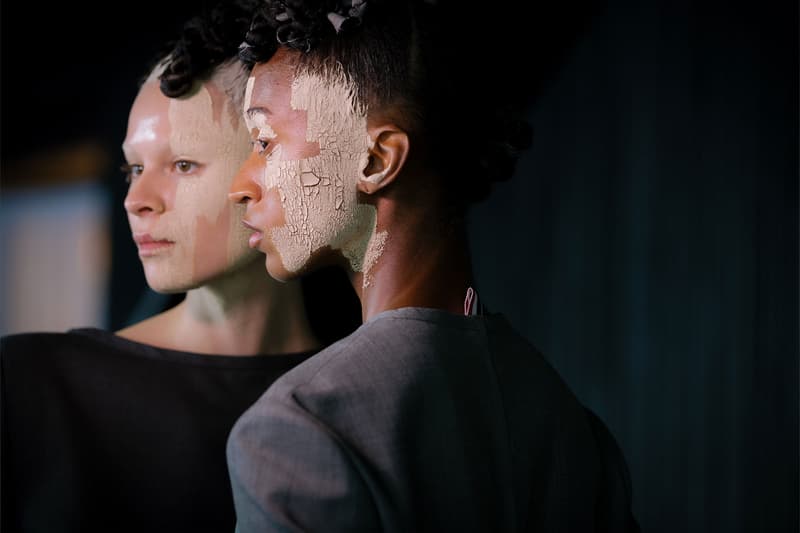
x=246, y=186
x=145, y=196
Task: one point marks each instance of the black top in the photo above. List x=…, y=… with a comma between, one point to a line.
x=100, y=433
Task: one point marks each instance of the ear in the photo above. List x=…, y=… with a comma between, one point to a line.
x=386, y=157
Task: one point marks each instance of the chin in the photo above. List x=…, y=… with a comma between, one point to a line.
x=170, y=286
x=165, y=288
x=169, y=283
x=277, y=271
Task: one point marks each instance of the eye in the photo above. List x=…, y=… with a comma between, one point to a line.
x=185, y=167
x=131, y=171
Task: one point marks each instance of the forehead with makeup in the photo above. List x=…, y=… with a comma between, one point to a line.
x=202, y=122
x=194, y=126
x=279, y=95
x=268, y=90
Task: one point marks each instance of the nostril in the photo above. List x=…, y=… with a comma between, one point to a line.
x=139, y=207
x=240, y=197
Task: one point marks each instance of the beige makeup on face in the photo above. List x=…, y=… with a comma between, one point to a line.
x=205, y=134
x=205, y=129
x=319, y=193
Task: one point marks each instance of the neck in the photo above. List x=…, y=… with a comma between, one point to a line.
x=425, y=263
x=243, y=313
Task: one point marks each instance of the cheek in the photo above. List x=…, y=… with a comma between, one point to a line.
x=204, y=213
x=211, y=192
x=273, y=210
x=212, y=238
x=296, y=144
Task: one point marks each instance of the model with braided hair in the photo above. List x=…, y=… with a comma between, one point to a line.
x=375, y=125
x=126, y=432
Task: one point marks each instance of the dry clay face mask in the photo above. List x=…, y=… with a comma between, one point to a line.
x=319, y=193
x=209, y=238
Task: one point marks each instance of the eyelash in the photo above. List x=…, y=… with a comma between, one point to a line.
x=133, y=171
x=128, y=171
x=191, y=164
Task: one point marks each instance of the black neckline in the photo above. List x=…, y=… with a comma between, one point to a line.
x=135, y=348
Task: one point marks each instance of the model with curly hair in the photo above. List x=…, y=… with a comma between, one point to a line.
x=126, y=431
x=375, y=125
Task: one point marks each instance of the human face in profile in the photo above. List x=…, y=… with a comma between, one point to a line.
x=182, y=154
x=300, y=182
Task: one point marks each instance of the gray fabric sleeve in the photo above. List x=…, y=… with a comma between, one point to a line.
x=289, y=472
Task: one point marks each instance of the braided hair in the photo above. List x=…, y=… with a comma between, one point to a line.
x=422, y=60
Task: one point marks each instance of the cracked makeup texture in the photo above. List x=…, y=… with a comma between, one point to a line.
x=319, y=194
x=209, y=239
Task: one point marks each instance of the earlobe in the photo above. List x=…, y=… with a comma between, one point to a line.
x=387, y=156
x=373, y=182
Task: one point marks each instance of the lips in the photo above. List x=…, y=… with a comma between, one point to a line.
x=255, y=237
x=150, y=246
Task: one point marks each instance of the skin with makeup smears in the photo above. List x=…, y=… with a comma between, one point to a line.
x=202, y=218
x=319, y=194
x=216, y=227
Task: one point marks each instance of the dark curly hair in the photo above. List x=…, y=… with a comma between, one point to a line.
x=208, y=40
x=452, y=71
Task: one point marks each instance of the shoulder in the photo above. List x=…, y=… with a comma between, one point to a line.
x=31, y=348
x=32, y=363
x=520, y=365
x=153, y=330
x=290, y=459
x=19, y=340
x=79, y=356
x=398, y=363
x=44, y=372
x=387, y=353
x=88, y=342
